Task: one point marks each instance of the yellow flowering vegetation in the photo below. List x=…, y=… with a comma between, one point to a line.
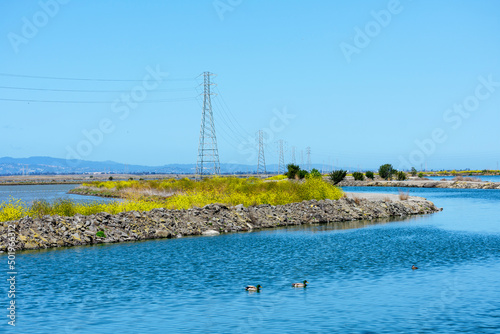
x=186, y=194
x=277, y=177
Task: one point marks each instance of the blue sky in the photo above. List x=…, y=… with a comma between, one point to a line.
x=361, y=83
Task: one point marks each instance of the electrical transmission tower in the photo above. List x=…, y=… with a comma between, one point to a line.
x=293, y=155
x=208, y=154
x=281, y=164
x=308, y=152
x=261, y=166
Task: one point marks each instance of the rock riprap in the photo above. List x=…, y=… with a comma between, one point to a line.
x=421, y=184
x=211, y=220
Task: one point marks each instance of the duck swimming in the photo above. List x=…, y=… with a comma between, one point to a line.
x=253, y=288
x=414, y=267
x=300, y=285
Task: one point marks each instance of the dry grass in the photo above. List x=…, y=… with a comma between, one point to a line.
x=357, y=200
x=387, y=199
x=404, y=195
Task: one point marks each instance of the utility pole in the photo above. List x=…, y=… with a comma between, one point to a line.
x=281, y=164
x=261, y=164
x=308, y=152
x=208, y=154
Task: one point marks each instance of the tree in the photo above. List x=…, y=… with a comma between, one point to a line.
x=386, y=171
x=369, y=174
x=292, y=171
x=413, y=171
x=337, y=175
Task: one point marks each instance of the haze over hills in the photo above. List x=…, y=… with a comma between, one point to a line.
x=49, y=165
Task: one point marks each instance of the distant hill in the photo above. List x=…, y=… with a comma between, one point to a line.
x=49, y=165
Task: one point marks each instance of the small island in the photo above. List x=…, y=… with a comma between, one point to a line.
x=173, y=208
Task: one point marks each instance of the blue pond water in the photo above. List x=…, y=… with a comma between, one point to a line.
x=48, y=192
x=360, y=279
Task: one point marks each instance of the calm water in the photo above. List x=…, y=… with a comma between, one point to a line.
x=48, y=192
x=360, y=279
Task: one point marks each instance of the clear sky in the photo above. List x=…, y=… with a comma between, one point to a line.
x=362, y=83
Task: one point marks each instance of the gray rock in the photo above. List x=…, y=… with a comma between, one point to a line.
x=210, y=233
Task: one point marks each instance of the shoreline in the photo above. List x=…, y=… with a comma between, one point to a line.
x=421, y=184
x=210, y=220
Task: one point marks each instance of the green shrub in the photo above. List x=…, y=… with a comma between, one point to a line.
x=292, y=170
x=420, y=174
x=314, y=173
x=386, y=171
x=369, y=174
x=413, y=171
x=337, y=175
x=401, y=175
x=303, y=173
x=110, y=178
x=358, y=176
x=100, y=234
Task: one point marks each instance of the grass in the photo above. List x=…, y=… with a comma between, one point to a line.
x=185, y=194
x=404, y=195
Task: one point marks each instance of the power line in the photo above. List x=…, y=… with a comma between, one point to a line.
x=230, y=113
x=93, y=91
x=63, y=101
x=230, y=126
x=85, y=79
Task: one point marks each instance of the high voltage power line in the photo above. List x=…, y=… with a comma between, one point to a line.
x=93, y=90
x=99, y=102
x=84, y=79
x=229, y=125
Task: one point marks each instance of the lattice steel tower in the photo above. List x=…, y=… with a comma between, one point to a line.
x=293, y=155
x=261, y=165
x=308, y=152
x=208, y=154
x=281, y=164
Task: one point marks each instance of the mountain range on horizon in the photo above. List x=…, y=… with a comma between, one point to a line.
x=40, y=165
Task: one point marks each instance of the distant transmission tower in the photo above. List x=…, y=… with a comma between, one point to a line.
x=308, y=152
x=261, y=166
x=293, y=155
x=301, y=158
x=281, y=165
x=208, y=154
